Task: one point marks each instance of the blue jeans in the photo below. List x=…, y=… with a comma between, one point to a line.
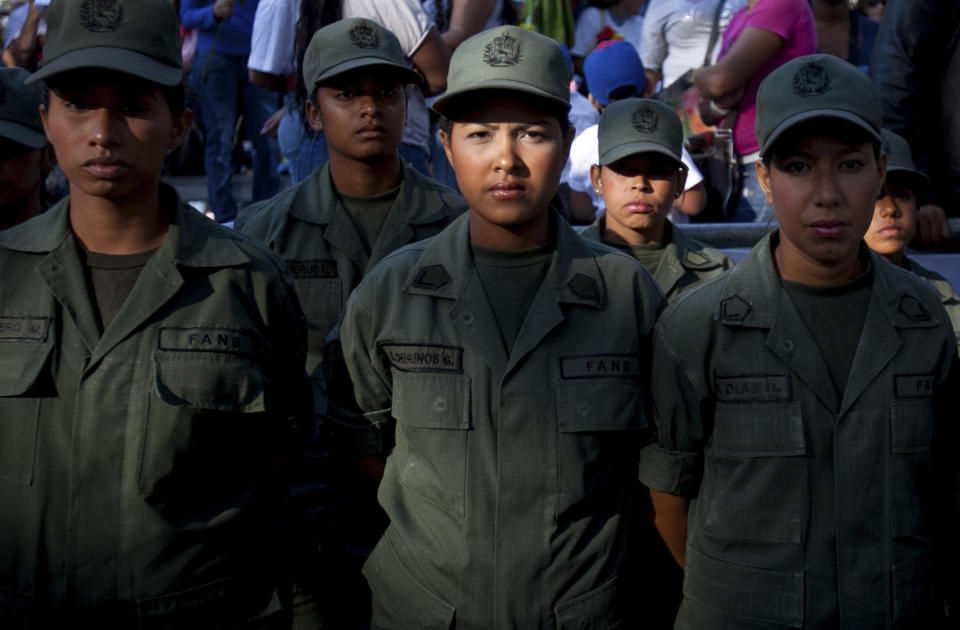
x=225, y=93
x=753, y=206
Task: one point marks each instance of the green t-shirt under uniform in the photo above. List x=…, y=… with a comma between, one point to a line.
x=369, y=213
x=648, y=255
x=112, y=277
x=511, y=279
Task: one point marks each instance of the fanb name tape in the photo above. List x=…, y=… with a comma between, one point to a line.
x=23, y=328
x=306, y=269
x=207, y=340
x=599, y=366
x=913, y=385
x=424, y=358
x=754, y=388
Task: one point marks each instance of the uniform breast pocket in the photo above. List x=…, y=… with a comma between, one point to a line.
x=911, y=469
x=321, y=299
x=599, y=422
x=23, y=385
x=757, y=472
x=432, y=411
x=206, y=435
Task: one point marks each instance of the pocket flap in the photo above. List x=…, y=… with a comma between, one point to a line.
x=431, y=400
x=209, y=380
x=20, y=365
x=759, y=430
x=600, y=405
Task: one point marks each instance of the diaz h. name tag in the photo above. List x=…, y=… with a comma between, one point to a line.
x=754, y=388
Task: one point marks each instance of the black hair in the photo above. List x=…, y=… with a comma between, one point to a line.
x=314, y=15
x=843, y=130
x=174, y=95
x=442, y=10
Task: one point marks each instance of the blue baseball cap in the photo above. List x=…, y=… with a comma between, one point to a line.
x=611, y=67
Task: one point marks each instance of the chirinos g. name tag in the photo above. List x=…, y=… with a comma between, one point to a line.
x=754, y=388
x=913, y=385
x=207, y=339
x=414, y=357
x=600, y=366
x=307, y=269
x=23, y=328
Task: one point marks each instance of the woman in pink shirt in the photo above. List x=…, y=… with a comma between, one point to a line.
x=760, y=37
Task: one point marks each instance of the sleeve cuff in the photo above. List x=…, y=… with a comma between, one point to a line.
x=673, y=472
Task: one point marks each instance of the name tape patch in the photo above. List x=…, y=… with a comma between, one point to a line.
x=754, y=388
x=424, y=357
x=306, y=269
x=599, y=366
x=913, y=385
x=207, y=340
x=24, y=328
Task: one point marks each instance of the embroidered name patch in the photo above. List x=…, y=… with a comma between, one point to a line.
x=424, y=357
x=754, y=388
x=913, y=385
x=207, y=340
x=305, y=269
x=23, y=328
x=599, y=366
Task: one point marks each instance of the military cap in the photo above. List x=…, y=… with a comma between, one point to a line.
x=815, y=86
x=899, y=158
x=507, y=58
x=20, y=108
x=639, y=125
x=137, y=37
x=353, y=43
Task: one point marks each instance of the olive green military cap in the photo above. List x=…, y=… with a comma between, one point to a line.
x=507, y=58
x=639, y=125
x=353, y=43
x=815, y=86
x=137, y=37
x=20, y=108
x=899, y=158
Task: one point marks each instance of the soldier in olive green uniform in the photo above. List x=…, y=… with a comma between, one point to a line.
x=802, y=399
x=330, y=229
x=148, y=397
x=895, y=220
x=640, y=175
x=510, y=358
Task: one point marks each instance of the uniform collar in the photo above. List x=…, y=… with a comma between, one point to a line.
x=317, y=200
x=208, y=245
x=446, y=266
x=751, y=295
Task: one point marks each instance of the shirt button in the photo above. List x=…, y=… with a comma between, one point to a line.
x=788, y=345
x=467, y=318
x=583, y=409
x=440, y=404
x=55, y=268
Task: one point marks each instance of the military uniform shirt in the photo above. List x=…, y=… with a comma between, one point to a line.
x=309, y=227
x=510, y=490
x=948, y=295
x=685, y=262
x=753, y=431
x=139, y=468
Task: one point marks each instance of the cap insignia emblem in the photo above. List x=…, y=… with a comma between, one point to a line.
x=645, y=119
x=101, y=16
x=504, y=50
x=363, y=36
x=811, y=80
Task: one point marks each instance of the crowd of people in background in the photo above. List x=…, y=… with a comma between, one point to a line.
x=468, y=370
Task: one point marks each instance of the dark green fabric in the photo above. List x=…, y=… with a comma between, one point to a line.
x=112, y=278
x=648, y=255
x=369, y=213
x=834, y=316
x=511, y=280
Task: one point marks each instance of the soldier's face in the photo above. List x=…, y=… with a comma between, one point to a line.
x=823, y=191
x=638, y=192
x=21, y=169
x=894, y=219
x=361, y=114
x=508, y=157
x=110, y=139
